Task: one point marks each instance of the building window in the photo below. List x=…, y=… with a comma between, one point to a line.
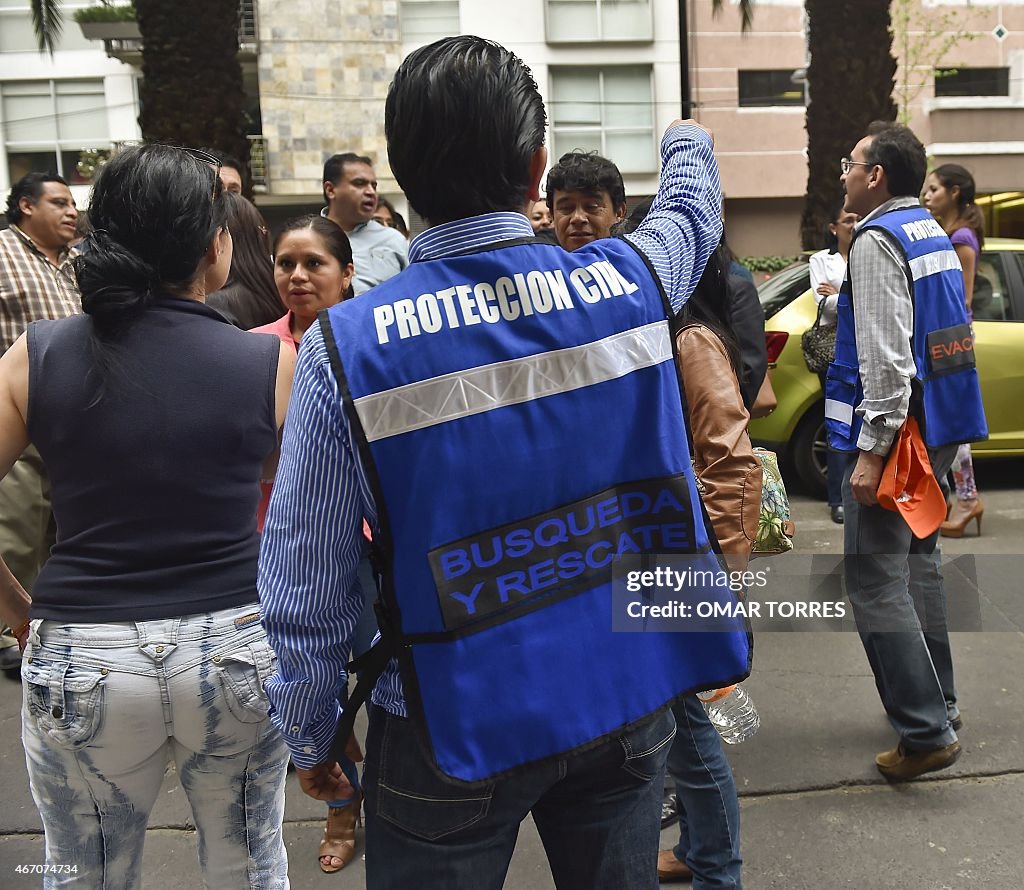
x=18, y=36
x=579, y=20
x=424, y=21
x=48, y=125
x=972, y=82
x=608, y=110
x=759, y=89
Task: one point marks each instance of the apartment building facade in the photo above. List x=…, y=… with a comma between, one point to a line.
x=610, y=71
x=61, y=112
x=966, y=104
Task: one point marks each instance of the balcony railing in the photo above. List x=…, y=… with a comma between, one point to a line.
x=248, y=24
x=258, y=167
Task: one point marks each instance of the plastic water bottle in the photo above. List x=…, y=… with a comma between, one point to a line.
x=732, y=712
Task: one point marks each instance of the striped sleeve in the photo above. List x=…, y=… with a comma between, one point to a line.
x=684, y=224
x=884, y=327
x=311, y=546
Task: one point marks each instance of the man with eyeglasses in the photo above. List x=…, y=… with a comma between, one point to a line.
x=902, y=300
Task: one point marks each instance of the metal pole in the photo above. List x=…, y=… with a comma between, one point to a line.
x=684, y=59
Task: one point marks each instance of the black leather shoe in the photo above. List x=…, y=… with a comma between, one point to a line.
x=837, y=514
x=669, y=811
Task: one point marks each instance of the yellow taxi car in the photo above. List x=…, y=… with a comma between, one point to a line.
x=796, y=429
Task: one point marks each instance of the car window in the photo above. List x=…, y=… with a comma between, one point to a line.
x=783, y=288
x=991, y=300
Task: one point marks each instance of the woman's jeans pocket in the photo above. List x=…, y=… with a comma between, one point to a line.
x=646, y=747
x=243, y=670
x=64, y=700
x=413, y=797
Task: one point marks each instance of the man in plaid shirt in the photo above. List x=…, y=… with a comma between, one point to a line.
x=37, y=280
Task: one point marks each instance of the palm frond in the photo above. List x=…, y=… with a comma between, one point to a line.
x=48, y=23
x=746, y=11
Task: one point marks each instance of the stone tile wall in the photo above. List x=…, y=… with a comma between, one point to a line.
x=324, y=69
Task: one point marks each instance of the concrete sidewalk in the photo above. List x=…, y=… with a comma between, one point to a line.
x=816, y=814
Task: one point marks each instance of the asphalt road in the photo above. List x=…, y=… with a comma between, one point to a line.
x=815, y=813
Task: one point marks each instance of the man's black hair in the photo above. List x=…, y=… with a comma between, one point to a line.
x=29, y=186
x=226, y=160
x=334, y=166
x=463, y=120
x=900, y=153
x=588, y=172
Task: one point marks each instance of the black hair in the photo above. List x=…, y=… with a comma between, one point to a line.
x=396, y=217
x=154, y=210
x=225, y=159
x=585, y=171
x=900, y=153
x=951, y=175
x=334, y=166
x=831, y=238
x=249, y=296
x=463, y=119
x=710, y=304
x=29, y=186
x=332, y=234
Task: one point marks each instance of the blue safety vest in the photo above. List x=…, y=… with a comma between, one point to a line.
x=518, y=411
x=945, y=395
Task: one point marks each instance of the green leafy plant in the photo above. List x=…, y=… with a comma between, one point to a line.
x=767, y=263
x=90, y=161
x=106, y=12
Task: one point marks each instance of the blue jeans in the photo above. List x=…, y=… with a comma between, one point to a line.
x=894, y=582
x=598, y=814
x=709, y=811
x=837, y=463
x=107, y=705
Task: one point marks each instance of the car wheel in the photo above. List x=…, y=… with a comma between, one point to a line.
x=809, y=453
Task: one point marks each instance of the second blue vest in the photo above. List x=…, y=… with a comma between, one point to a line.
x=945, y=394
x=521, y=422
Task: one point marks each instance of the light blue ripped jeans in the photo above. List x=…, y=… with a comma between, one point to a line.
x=105, y=706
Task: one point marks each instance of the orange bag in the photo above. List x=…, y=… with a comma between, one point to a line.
x=908, y=484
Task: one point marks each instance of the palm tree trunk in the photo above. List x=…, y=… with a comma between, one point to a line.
x=850, y=79
x=191, y=91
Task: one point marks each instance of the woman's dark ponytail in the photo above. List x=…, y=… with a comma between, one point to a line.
x=117, y=286
x=154, y=209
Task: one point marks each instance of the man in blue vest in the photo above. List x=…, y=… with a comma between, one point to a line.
x=903, y=299
x=499, y=412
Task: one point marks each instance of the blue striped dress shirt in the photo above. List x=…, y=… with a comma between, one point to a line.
x=312, y=539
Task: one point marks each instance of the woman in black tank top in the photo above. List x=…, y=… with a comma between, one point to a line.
x=154, y=418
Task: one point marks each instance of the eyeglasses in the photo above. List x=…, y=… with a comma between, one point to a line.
x=203, y=156
x=206, y=158
x=846, y=165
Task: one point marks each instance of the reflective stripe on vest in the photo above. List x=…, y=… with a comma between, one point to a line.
x=519, y=414
x=946, y=396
